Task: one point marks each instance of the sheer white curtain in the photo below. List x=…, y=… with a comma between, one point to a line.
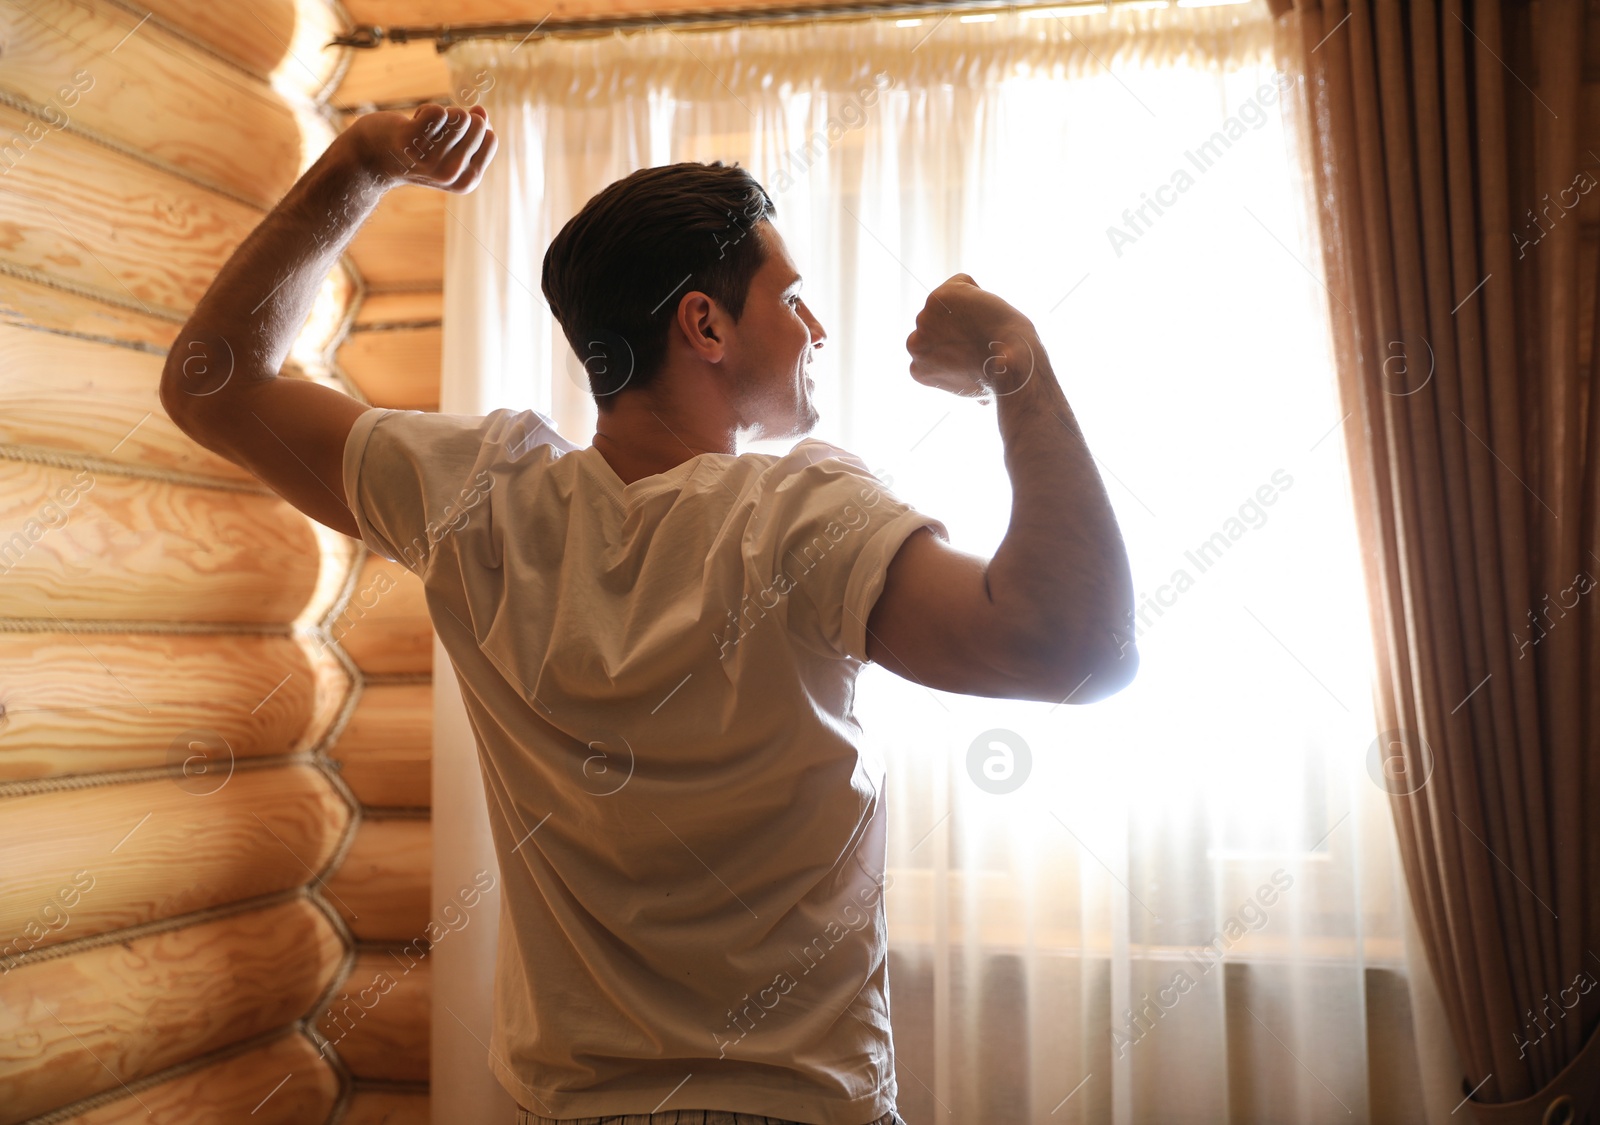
x=1180, y=905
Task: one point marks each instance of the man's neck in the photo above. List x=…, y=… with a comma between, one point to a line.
x=640, y=436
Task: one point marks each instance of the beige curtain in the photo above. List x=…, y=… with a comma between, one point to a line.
x=1179, y=906
x=1452, y=151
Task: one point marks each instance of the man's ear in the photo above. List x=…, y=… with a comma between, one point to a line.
x=699, y=320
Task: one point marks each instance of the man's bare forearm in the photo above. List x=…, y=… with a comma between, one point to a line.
x=244, y=326
x=1061, y=572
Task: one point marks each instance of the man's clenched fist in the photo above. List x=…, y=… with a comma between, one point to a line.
x=970, y=342
x=437, y=147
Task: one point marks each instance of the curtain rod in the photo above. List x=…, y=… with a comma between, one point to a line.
x=444, y=35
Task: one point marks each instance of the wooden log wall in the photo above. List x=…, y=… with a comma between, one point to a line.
x=215, y=714
x=381, y=889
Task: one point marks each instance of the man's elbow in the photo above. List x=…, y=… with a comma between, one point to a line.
x=1080, y=674
x=198, y=366
x=175, y=398
x=1113, y=673
x=172, y=401
x=201, y=398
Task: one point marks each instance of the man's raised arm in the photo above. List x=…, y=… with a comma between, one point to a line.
x=1050, y=616
x=221, y=383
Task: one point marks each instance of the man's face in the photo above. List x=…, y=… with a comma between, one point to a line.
x=769, y=349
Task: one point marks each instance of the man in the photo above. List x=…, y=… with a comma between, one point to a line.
x=657, y=639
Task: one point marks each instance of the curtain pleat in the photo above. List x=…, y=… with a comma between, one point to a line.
x=788, y=55
x=1430, y=128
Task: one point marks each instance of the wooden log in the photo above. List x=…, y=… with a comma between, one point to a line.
x=31, y=304
x=283, y=1083
x=65, y=393
x=284, y=40
x=68, y=393
x=398, y=367
x=85, y=1023
x=91, y=66
x=385, y=754
x=96, y=701
x=379, y=1022
x=382, y=887
x=312, y=65
x=93, y=218
x=402, y=245
x=146, y=850
x=422, y=306
x=385, y=628
x=387, y=1107
x=334, y=682
x=94, y=545
x=395, y=72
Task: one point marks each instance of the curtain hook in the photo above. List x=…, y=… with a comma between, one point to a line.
x=364, y=35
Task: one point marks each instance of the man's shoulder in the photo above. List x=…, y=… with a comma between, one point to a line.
x=517, y=431
x=815, y=464
x=811, y=486
x=520, y=432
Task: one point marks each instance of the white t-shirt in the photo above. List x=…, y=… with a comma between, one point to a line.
x=660, y=677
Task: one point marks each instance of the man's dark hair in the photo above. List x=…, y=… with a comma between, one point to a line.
x=616, y=272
